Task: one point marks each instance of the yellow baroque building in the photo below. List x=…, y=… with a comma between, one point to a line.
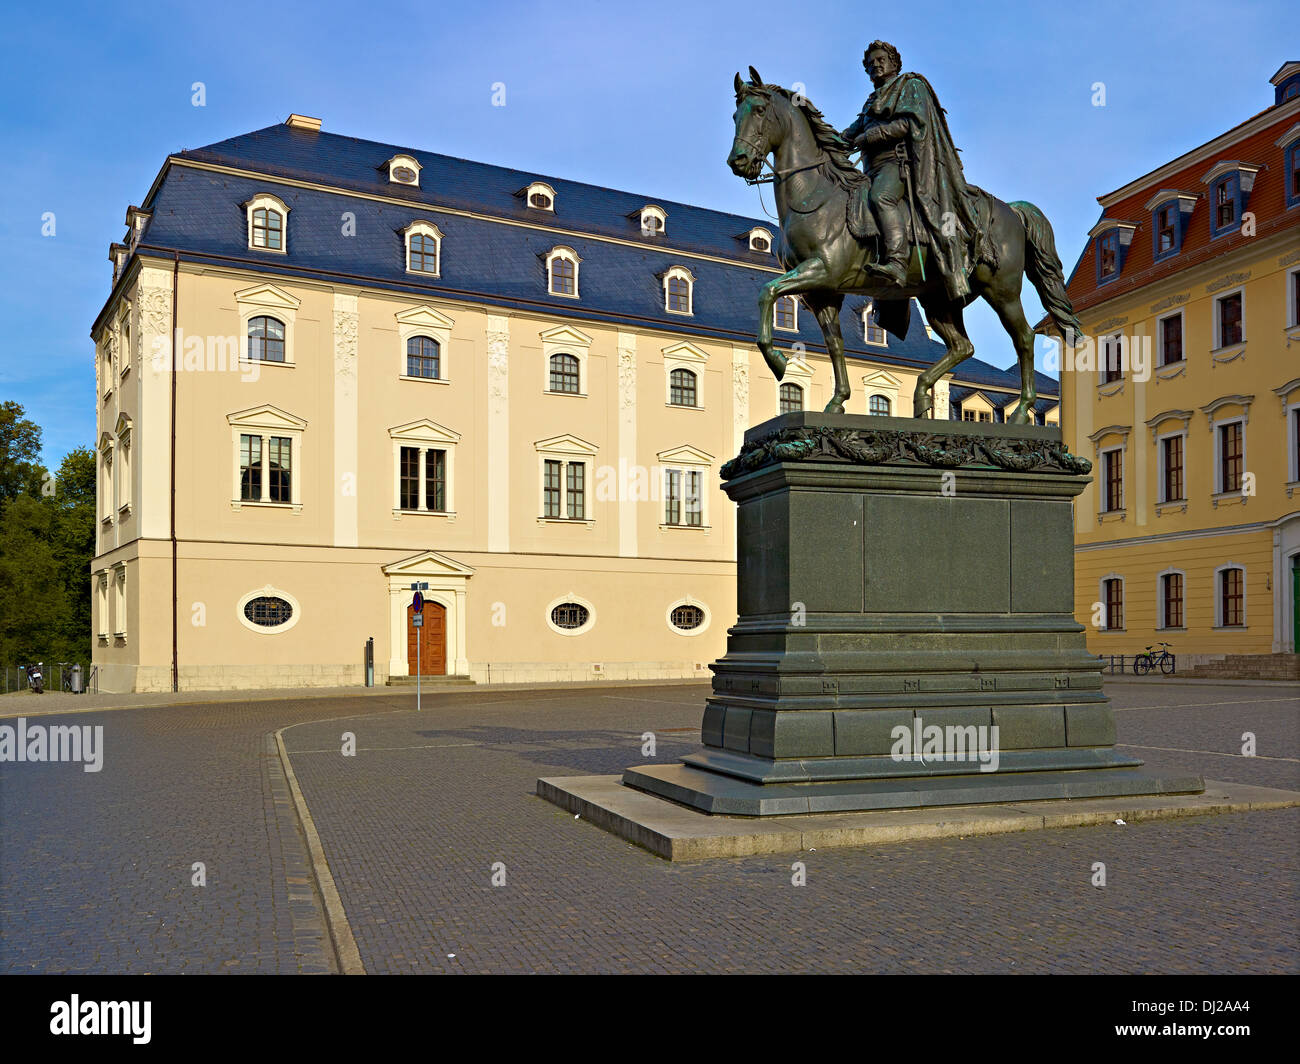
x=329, y=369
x=1185, y=393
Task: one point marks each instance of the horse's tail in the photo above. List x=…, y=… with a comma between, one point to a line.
x=1043, y=268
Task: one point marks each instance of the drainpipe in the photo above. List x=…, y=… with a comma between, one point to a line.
x=176, y=276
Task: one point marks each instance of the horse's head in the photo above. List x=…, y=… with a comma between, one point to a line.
x=759, y=126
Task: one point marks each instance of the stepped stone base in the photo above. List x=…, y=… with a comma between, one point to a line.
x=1240, y=666
x=897, y=578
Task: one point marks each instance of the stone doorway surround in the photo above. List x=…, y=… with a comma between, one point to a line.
x=1286, y=547
x=447, y=580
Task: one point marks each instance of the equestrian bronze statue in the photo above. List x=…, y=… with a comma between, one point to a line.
x=909, y=226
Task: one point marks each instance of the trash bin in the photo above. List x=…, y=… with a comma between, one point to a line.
x=77, y=687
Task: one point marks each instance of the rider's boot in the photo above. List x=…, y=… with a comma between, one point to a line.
x=894, y=237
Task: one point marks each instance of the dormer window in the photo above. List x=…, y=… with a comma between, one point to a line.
x=404, y=170
x=679, y=285
x=653, y=220
x=785, y=314
x=1229, y=184
x=760, y=240
x=871, y=330
x=1112, y=239
x=540, y=196
x=136, y=220
x=1170, y=210
x=423, y=248
x=117, y=255
x=267, y=216
x=1289, y=142
x=562, y=272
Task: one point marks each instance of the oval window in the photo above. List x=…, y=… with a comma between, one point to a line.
x=570, y=615
x=541, y=200
x=404, y=174
x=759, y=244
x=687, y=617
x=268, y=611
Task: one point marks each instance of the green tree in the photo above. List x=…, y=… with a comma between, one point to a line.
x=21, y=472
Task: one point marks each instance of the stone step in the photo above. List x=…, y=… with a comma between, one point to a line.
x=430, y=681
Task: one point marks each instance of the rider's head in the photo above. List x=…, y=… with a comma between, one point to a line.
x=881, y=61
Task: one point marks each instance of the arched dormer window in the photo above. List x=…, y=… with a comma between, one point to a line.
x=265, y=339
x=679, y=288
x=404, y=170
x=1112, y=239
x=540, y=196
x=423, y=248
x=760, y=240
x=654, y=221
x=267, y=223
x=562, y=272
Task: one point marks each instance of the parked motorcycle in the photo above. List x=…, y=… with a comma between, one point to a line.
x=36, y=677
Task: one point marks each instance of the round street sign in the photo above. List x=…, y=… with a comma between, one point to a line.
x=417, y=602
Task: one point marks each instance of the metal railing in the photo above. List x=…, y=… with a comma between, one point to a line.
x=58, y=677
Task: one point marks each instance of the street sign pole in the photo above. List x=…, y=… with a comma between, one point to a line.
x=417, y=621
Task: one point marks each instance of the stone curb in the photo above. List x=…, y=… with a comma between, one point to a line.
x=677, y=833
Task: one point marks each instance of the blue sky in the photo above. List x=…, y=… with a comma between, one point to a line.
x=632, y=97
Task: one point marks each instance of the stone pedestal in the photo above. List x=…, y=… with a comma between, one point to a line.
x=897, y=576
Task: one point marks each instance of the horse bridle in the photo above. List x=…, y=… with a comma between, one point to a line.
x=776, y=174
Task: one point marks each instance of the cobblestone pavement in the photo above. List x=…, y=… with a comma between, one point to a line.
x=414, y=823
x=95, y=868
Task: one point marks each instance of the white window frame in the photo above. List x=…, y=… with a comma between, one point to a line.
x=566, y=449
x=268, y=592
x=264, y=200
x=1102, y=488
x=565, y=340
x=577, y=600
x=797, y=371
x=266, y=300
x=685, y=356
x=124, y=472
x=1292, y=309
x=567, y=253
x=688, y=600
x=1215, y=426
x=267, y=421
x=1218, y=598
x=1120, y=339
x=794, y=302
x=423, y=227
x=119, y=602
x=867, y=311
x=124, y=340
x=408, y=161
x=424, y=320
x=539, y=186
x=680, y=273
x=1292, y=411
x=1123, y=601
x=101, y=607
x=657, y=213
x=1162, y=622
x=683, y=460
x=888, y=402
x=1217, y=324
x=107, y=483
x=1160, y=338
x=425, y=435
x=759, y=231
x=1160, y=467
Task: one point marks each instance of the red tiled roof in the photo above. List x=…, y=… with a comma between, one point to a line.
x=1267, y=201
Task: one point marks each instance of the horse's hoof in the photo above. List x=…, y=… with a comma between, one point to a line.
x=835, y=406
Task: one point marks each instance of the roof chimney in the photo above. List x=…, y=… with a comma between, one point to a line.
x=303, y=122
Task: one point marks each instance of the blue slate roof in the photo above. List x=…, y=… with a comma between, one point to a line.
x=200, y=214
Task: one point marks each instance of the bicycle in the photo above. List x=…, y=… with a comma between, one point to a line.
x=1144, y=663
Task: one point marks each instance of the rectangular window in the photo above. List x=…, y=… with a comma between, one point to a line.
x=1295, y=445
x=551, y=488
x=1232, y=598
x=409, y=479
x=1225, y=205
x=1171, y=599
x=1114, y=604
x=101, y=590
x=673, y=498
x=1114, y=473
x=279, y=453
x=1112, y=358
x=1171, y=339
x=577, y=494
x=785, y=313
x=1295, y=294
x=1171, y=481
x=119, y=604
x=968, y=415
x=250, y=468
x=1167, y=221
x=1230, y=323
x=435, y=480
x=874, y=333
x=1109, y=255
x=694, y=498
x=1230, y=457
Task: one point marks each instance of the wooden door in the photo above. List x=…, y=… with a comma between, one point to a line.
x=433, y=641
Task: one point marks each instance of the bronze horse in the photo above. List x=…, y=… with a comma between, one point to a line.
x=812, y=180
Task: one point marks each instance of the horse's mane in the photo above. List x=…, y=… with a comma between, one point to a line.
x=827, y=138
